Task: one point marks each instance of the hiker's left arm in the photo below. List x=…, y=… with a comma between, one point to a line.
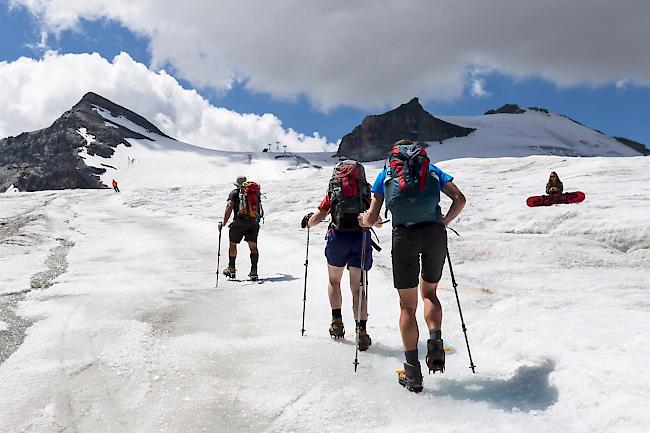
x=370, y=217
x=457, y=202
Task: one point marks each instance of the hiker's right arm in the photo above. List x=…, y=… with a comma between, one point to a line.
x=227, y=212
x=317, y=218
x=371, y=216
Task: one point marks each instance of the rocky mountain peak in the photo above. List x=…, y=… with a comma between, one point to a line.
x=90, y=102
x=53, y=158
x=373, y=139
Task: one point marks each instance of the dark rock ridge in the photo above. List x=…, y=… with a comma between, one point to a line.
x=509, y=109
x=50, y=158
x=639, y=147
x=373, y=139
x=516, y=109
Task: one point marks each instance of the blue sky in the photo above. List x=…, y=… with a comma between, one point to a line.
x=614, y=110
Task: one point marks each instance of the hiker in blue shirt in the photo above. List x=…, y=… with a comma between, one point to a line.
x=411, y=187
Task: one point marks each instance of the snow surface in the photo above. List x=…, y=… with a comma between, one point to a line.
x=134, y=337
x=529, y=133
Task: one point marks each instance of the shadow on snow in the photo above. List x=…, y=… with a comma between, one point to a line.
x=528, y=389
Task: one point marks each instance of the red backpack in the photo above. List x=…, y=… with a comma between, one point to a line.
x=250, y=201
x=349, y=194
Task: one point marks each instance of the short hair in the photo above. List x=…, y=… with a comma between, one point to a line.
x=403, y=141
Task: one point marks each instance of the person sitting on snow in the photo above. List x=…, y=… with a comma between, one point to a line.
x=554, y=185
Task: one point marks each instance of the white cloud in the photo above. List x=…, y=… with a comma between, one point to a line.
x=37, y=92
x=477, y=89
x=367, y=53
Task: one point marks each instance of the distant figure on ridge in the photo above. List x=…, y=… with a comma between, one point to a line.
x=244, y=202
x=348, y=195
x=554, y=185
x=115, y=186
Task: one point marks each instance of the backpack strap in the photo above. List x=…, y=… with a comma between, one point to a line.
x=424, y=171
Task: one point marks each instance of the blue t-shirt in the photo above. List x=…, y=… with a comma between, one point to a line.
x=378, y=186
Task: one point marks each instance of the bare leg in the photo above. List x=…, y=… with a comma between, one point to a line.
x=355, y=288
x=408, y=325
x=334, y=286
x=432, y=307
x=232, y=250
x=253, y=247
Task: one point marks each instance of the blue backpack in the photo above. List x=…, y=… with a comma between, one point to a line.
x=411, y=188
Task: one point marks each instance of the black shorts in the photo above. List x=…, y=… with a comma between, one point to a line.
x=428, y=240
x=244, y=230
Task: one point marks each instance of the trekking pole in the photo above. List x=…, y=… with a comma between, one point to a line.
x=453, y=282
x=218, y=258
x=304, y=295
x=362, y=290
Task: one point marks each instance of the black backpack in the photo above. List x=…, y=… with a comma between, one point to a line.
x=349, y=195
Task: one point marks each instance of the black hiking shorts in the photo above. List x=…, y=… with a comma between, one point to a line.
x=244, y=230
x=427, y=241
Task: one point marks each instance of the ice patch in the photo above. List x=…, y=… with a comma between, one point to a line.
x=86, y=136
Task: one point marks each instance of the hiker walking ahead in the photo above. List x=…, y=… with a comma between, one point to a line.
x=411, y=187
x=554, y=185
x=348, y=195
x=244, y=202
x=115, y=186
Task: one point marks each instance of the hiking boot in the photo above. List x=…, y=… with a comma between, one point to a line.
x=230, y=273
x=253, y=275
x=410, y=377
x=363, y=341
x=337, y=330
x=435, y=356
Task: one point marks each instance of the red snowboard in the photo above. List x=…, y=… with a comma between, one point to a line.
x=548, y=200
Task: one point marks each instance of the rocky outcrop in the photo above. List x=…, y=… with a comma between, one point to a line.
x=539, y=110
x=373, y=139
x=507, y=109
x=50, y=158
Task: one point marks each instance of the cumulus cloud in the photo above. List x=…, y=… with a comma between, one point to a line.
x=368, y=54
x=37, y=92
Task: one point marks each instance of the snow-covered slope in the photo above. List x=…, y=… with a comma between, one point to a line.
x=97, y=141
x=529, y=133
x=128, y=332
x=163, y=161
x=159, y=161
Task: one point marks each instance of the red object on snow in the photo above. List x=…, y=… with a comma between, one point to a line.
x=548, y=200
